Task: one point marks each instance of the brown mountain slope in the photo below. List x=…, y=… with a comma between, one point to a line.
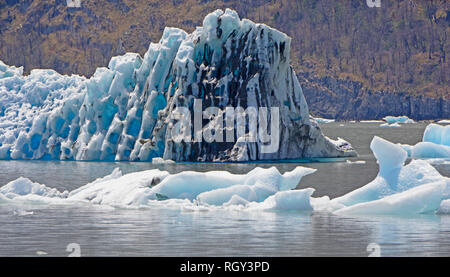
x=401, y=47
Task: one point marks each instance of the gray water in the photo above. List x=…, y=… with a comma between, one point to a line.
x=165, y=232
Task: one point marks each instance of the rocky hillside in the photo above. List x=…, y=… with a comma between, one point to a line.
x=340, y=49
x=329, y=97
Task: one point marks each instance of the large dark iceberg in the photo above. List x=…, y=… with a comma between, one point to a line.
x=131, y=110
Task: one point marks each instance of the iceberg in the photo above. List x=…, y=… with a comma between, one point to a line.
x=256, y=186
x=146, y=188
x=128, y=110
x=418, y=200
x=437, y=134
x=398, y=119
x=218, y=188
x=398, y=189
x=435, y=144
x=428, y=150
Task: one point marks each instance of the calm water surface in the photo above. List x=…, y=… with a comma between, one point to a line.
x=101, y=231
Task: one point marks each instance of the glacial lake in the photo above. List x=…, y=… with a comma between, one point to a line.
x=103, y=231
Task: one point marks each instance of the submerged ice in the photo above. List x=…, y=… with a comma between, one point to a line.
x=123, y=112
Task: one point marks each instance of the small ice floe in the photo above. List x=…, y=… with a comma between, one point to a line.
x=435, y=144
x=23, y=186
x=161, y=161
x=341, y=143
x=355, y=162
x=398, y=119
x=22, y=212
x=417, y=200
x=398, y=189
x=390, y=125
x=190, y=190
x=371, y=121
x=41, y=253
x=444, y=121
x=323, y=120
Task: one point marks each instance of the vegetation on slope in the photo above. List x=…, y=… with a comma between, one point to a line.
x=401, y=47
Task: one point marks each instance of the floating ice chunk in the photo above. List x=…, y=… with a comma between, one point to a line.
x=415, y=188
x=429, y=150
x=371, y=121
x=355, y=162
x=148, y=187
x=218, y=187
x=23, y=186
x=292, y=200
x=398, y=189
x=323, y=120
x=393, y=176
x=20, y=212
x=340, y=143
x=444, y=121
x=189, y=184
x=213, y=188
x=390, y=125
x=324, y=204
x=118, y=190
x=390, y=157
x=398, y=119
x=437, y=134
x=161, y=161
x=421, y=199
x=220, y=196
x=435, y=144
